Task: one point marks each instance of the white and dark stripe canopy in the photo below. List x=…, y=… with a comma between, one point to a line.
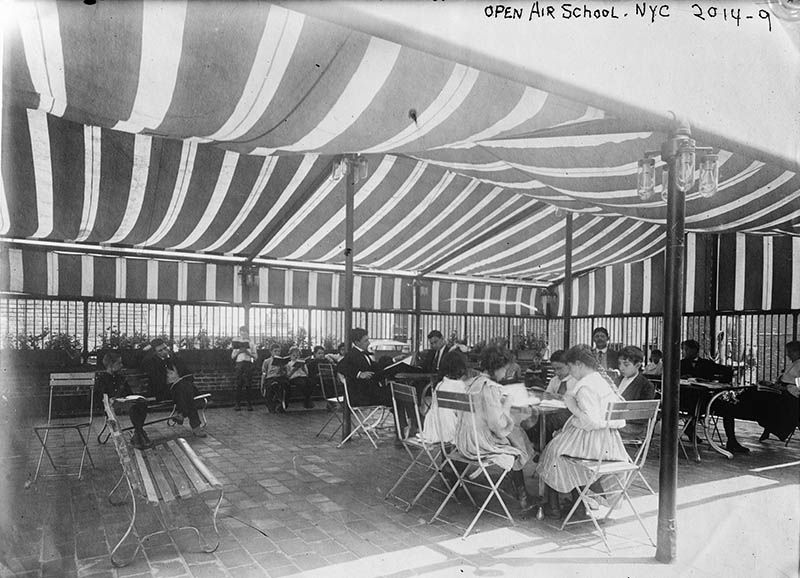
x=205, y=128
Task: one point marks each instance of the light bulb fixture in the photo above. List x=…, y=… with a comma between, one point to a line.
x=646, y=178
x=709, y=175
x=684, y=165
x=664, y=183
x=363, y=168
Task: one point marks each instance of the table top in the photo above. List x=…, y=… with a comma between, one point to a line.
x=713, y=385
x=403, y=375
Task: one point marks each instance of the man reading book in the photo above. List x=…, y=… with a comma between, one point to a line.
x=274, y=380
x=114, y=383
x=169, y=379
x=243, y=356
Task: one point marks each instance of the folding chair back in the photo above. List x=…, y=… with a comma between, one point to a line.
x=78, y=387
x=329, y=384
x=406, y=395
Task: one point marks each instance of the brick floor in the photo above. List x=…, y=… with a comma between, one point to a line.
x=296, y=504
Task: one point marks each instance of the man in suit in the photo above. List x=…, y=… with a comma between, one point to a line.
x=362, y=373
x=606, y=357
x=165, y=373
x=440, y=357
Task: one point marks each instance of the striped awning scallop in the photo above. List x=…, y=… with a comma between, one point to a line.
x=40, y=273
x=732, y=272
x=196, y=127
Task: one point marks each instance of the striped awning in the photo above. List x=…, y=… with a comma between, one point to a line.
x=63, y=274
x=736, y=272
x=195, y=127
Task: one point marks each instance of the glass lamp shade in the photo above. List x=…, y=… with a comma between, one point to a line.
x=363, y=168
x=646, y=178
x=709, y=175
x=684, y=167
x=664, y=183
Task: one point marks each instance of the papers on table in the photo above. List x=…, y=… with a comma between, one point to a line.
x=519, y=395
x=554, y=403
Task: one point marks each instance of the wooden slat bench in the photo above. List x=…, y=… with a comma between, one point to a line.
x=153, y=406
x=168, y=472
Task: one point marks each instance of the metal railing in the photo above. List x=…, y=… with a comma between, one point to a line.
x=752, y=343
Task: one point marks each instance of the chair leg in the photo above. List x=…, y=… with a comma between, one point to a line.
x=788, y=439
x=85, y=453
x=493, y=492
x=333, y=415
x=581, y=500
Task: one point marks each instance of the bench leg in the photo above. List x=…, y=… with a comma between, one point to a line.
x=121, y=563
x=102, y=439
x=207, y=548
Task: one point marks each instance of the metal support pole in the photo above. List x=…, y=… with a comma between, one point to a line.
x=85, y=352
x=674, y=303
x=350, y=185
x=418, y=337
x=567, y=280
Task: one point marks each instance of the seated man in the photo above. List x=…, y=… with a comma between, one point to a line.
x=169, y=379
x=297, y=372
x=274, y=381
x=114, y=383
x=362, y=373
x=779, y=410
x=692, y=365
x=441, y=357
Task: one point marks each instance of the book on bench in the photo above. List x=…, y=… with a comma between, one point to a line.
x=132, y=397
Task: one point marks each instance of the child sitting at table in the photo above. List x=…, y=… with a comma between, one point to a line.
x=560, y=384
x=586, y=434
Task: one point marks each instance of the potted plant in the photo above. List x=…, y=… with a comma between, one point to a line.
x=531, y=347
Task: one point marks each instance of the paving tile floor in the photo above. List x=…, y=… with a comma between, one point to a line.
x=294, y=504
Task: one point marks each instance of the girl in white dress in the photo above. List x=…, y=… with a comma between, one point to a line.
x=586, y=434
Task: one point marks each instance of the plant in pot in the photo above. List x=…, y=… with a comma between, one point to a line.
x=531, y=347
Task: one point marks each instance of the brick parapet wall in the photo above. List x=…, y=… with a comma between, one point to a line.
x=24, y=386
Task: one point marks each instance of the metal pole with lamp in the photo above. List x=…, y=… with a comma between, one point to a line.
x=678, y=178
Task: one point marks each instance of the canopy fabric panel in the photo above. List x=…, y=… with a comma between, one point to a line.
x=197, y=127
x=735, y=272
x=36, y=273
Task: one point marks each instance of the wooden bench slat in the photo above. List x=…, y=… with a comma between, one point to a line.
x=200, y=484
x=147, y=481
x=201, y=467
x=157, y=471
x=179, y=479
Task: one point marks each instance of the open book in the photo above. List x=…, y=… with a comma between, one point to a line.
x=240, y=344
x=401, y=366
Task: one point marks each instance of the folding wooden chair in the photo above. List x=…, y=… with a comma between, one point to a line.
x=620, y=473
x=424, y=455
x=367, y=418
x=330, y=391
x=64, y=386
x=475, y=468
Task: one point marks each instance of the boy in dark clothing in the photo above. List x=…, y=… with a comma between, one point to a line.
x=114, y=383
